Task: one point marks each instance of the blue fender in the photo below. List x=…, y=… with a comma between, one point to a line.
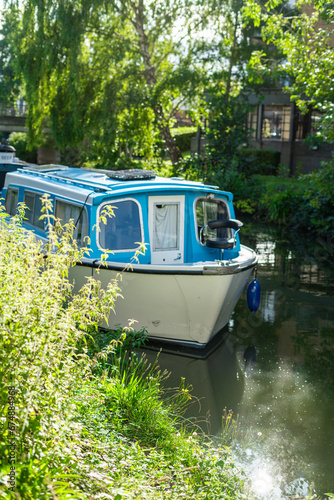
x=253, y=295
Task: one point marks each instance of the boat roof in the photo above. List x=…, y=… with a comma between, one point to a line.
x=98, y=181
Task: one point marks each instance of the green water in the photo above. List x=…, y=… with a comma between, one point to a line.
x=288, y=395
x=283, y=393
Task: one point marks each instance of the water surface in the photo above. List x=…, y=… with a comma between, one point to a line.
x=274, y=370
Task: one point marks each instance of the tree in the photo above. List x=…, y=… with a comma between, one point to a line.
x=305, y=37
x=110, y=73
x=10, y=83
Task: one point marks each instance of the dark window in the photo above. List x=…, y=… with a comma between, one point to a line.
x=68, y=211
x=34, y=209
x=11, y=201
x=210, y=210
x=122, y=231
x=306, y=124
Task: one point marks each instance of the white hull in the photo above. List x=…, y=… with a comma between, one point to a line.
x=185, y=304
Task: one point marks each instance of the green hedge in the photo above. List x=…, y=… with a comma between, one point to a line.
x=182, y=136
x=258, y=161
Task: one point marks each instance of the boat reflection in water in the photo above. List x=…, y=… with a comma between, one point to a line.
x=215, y=376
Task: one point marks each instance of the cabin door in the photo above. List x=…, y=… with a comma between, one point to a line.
x=166, y=226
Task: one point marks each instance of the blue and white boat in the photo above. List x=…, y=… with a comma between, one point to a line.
x=185, y=287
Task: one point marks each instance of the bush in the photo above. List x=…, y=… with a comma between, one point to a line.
x=258, y=161
x=75, y=426
x=41, y=364
x=300, y=204
x=182, y=136
x=19, y=141
x=320, y=196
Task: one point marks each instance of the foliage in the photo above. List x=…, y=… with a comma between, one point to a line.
x=86, y=426
x=10, y=81
x=258, y=161
x=228, y=129
x=183, y=130
x=303, y=204
x=41, y=325
x=182, y=136
x=19, y=140
x=305, y=39
x=281, y=202
x=222, y=164
x=115, y=83
x=113, y=87
x=320, y=196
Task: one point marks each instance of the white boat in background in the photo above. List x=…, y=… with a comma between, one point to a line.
x=186, y=285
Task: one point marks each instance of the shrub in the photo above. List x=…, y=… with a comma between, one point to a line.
x=258, y=161
x=19, y=141
x=41, y=326
x=182, y=136
x=79, y=426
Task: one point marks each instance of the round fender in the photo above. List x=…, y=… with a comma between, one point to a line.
x=253, y=295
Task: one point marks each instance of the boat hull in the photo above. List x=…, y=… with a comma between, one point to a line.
x=181, y=304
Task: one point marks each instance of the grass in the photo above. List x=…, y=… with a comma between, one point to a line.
x=129, y=429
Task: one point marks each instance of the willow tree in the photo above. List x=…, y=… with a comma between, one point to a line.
x=9, y=84
x=112, y=73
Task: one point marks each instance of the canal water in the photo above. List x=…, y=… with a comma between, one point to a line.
x=274, y=370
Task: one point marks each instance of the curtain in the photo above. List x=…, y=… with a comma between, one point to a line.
x=166, y=226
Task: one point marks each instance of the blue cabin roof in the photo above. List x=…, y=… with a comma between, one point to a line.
x=99, y=182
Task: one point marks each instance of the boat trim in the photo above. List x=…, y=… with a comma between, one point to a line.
x=110, y=202
x=217, y=268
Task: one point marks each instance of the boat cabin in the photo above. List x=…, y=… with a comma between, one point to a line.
x=170, y=215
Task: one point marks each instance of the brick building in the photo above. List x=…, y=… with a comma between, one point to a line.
x=277, y=124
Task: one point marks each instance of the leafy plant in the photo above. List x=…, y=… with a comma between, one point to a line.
x=19, y=140
x=84, y=417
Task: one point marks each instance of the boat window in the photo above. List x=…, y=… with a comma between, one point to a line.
x=209, y=210
x=68, y=211
x=11, y=201
x=122, y=231
x=33, y=211
x=166, y=226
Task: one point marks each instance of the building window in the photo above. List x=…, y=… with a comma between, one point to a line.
x=315, y=120
x=306, y=124
x=123, y=230
x=252, y=123
x=276, y=123
x=11, y=201
x=77, y=214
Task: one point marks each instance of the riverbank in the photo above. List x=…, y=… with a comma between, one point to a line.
x=81, y=419
x=302, y=203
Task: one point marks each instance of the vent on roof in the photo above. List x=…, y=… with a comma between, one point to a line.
x=46, y=168
x=131, y=175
